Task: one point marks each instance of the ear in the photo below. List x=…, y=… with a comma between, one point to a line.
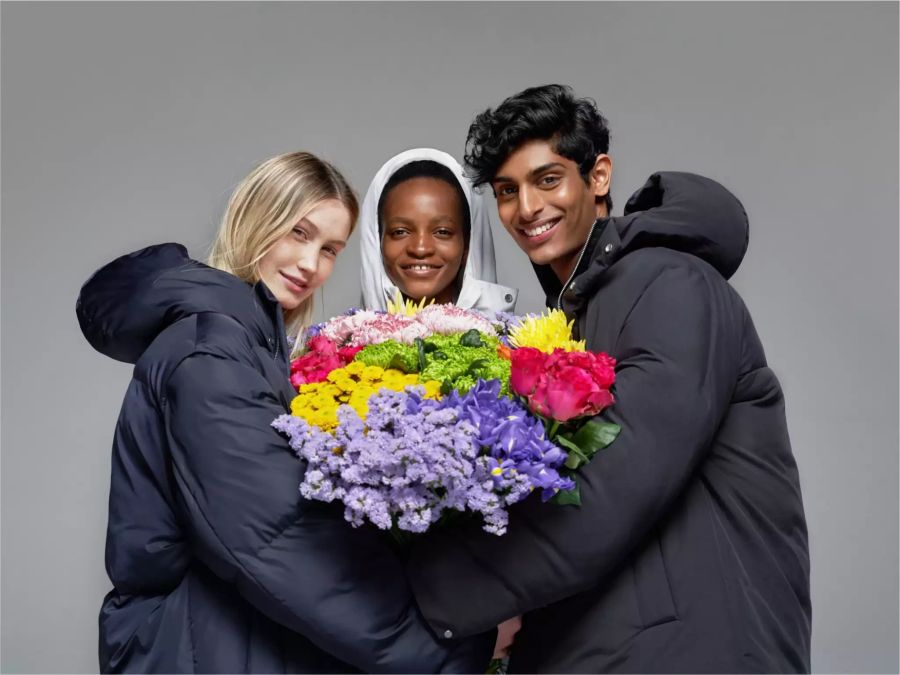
x=601, y=176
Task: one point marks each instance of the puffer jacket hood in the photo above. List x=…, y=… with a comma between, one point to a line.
x=126, y=304
x=480, y=289
x=680, y=211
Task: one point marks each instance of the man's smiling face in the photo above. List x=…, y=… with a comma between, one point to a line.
x=546, y=205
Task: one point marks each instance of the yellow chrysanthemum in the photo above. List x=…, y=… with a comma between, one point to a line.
x=432, y=389
x=400, y=306
x=318, y=402
x=546, y=332
x=354, y=368
x=370, y=373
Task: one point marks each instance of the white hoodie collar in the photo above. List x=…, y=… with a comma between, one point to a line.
x=479, y=288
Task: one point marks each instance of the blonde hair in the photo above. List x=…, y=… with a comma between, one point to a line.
x=265, y=206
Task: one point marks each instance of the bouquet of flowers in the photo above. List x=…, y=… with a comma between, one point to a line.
x=409, y=415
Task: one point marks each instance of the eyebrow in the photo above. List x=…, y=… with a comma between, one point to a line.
x=310, y=224
x=531, y=174
x=403, y=220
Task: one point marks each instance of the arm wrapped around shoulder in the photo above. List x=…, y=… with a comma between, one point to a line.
x=296, y=561
x=677, y=366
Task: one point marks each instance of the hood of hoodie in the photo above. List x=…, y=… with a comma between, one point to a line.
x=124, y=305
x=480, y=289
x=680, y=211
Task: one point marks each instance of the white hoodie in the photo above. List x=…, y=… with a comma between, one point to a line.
x=479, y=288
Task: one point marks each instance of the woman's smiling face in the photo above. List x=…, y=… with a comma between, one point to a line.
x=423, y=238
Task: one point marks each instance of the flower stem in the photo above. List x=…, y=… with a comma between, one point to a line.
x=551, y=432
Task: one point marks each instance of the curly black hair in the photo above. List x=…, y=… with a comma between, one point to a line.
x=574, y=126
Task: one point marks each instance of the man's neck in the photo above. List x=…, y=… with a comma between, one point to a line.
x=564, y=266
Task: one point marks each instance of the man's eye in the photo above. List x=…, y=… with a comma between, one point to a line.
x=398, y=232
x=506, y=190
x=444, y=233
x=549, y=180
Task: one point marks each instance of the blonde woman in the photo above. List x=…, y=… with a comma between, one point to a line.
x=217, y=564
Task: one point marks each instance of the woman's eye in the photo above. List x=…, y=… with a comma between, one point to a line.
x=300, y=232
x=330, y=251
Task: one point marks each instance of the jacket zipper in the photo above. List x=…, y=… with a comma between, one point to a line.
x=578, y=262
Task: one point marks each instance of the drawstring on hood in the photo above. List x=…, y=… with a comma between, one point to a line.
x=479, y=289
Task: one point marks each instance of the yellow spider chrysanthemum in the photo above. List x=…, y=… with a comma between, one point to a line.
x=400, y=306
x=546, y=332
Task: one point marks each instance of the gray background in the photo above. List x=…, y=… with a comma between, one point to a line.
x=129, y=124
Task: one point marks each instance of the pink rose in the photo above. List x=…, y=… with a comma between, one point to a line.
x=526, y=366
x=564, y=385
x=567, y=393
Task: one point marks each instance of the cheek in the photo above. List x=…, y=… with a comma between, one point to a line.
x=506, y=212
x=452, y=251
x=389, y=252
x=326, y=267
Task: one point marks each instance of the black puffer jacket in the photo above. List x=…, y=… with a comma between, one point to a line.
x=689, y=551
x=217, y=563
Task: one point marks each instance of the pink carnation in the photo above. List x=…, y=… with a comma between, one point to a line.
x=448, y=319
x=386, y=327
x=341, y=328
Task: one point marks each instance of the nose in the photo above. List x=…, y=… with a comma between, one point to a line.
x=530, y=203
x=308, y=261
x=421, y=245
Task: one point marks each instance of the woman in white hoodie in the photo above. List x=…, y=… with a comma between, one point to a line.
x=426, y=233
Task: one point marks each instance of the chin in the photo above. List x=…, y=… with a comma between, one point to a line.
x=541, y=257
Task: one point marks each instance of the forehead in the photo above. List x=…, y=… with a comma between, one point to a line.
x=528, y=158
x=421, y=192
x=331, y=218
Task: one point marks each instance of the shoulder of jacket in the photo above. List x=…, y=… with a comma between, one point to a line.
x=209, y=333
x=650, y=263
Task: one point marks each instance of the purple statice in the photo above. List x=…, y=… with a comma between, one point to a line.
x=313, y=330
x=405, y=465
x=412, y=459
x=504, y=323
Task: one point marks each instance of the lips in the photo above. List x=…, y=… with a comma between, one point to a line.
x=540, y=231
x=420, y=269
x=294, y=284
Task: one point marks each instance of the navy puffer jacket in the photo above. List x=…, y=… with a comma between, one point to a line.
x=217, y=563
x=689, y=550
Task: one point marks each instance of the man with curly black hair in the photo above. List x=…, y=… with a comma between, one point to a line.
x=688, y=552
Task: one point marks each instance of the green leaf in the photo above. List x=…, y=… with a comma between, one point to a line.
x=420, y=348
x=566, y=443
x=439, y=356
x=594, y=435
x=472, y=338
x=477, y=365
x=576, y=457
x=446, y=387
x=568, y=497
